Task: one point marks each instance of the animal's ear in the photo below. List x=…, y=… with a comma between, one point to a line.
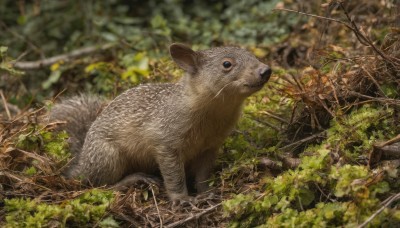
x=185, y=57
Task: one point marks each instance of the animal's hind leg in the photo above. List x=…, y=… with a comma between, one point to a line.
x=134, y=178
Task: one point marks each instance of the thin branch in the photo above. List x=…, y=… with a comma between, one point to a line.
x=392, y=199
x=360, y=35
x=301, y=141
x=391, y=141
x=316, y=16
x=5, y=104
x=33, y=65
x=377, y=99
x=266, y=123
x=275, y=117
x=193, y=217
x=155, y=203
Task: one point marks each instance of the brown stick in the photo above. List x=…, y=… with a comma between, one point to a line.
x=390, y=141
x=33, y=65
x=195, y=216
x=275, y=117
x=320, y=134
x=155, y=203
x=316, y=16
x=392, y=198
x=5, y=104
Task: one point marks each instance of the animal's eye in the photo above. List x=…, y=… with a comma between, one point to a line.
x=226, y=64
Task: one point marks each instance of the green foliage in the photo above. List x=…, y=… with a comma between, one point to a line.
x=31, y=171
x=104, y=74
x=137, y=67
x=354, y=134
x=321, y=193
x=6, y=63
x=89, y=208
x=137, y=26
x=346, y=178
x=53, y=143
x=390, y=90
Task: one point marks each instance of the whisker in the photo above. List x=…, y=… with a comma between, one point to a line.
x=221, y=90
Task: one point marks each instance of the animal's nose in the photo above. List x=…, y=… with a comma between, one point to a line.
x=265, y=72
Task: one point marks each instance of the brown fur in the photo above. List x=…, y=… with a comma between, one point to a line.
x=172, y=128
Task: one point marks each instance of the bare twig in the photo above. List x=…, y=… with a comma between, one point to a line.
x=361, y=37
x=5, y=104
x=392, y=199
x=383, y=100
x=316, y=16
x=301, y=141
x=155, y=203
x=193, y=217
x=32, y=65
x=390, y=141
x=275, y=117
x=267, y=124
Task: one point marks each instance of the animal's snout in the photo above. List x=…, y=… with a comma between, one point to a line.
x=265, y=72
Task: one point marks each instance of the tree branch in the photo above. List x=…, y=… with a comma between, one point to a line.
x=195, y=216
x=33, y=65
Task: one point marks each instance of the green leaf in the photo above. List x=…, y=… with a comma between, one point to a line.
x=53, y=78
x=109, y=222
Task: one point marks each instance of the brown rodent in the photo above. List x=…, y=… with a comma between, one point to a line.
x=174, y=128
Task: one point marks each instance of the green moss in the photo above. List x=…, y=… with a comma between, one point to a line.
x=320, y=192
x=354, y=134
x=89, y=208
x=36, y=138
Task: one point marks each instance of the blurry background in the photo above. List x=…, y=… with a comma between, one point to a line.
x=140, y=31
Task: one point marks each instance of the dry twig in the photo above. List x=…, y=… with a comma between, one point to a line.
x=389, y=201
x=193, y=217
x=32, y=65
x=155, y=203
x=5, y=104
x=301, y=141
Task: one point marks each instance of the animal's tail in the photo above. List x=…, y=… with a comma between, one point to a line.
x=78, y=113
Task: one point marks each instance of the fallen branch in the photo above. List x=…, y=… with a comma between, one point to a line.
x=389, y=201
x=33, y=65
x=301, y=141
x=193, y=217
x=390, y=141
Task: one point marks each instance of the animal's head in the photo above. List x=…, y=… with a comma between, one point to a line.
x=222, y=70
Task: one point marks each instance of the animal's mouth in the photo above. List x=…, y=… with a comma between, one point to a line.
x=256, y=85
